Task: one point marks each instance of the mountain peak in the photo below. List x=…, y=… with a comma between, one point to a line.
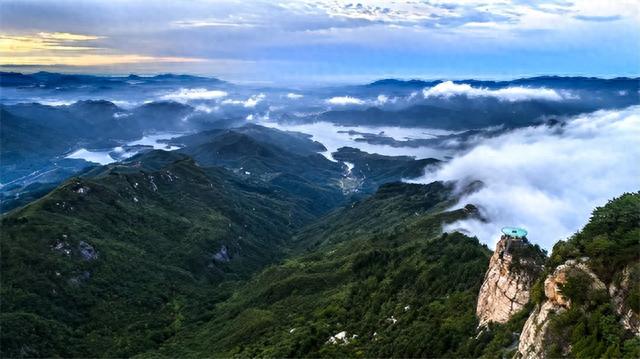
x=513, y=268
x=400, y=83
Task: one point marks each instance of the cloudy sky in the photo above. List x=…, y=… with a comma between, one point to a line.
x=323, y=40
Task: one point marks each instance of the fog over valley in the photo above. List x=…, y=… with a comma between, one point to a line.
x=546, y=178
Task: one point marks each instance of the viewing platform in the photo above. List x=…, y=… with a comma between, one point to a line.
x=512, y=235
x=514, y=232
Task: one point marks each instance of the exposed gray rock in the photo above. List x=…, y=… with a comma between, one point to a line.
x=533, y=339
x=87, y=252
x=62, y=246
x=505, y=290
x=222, y=255
x=80, y=278
x=620, y=291
x=82, y=190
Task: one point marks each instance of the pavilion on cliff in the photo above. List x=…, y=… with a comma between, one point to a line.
x=510, y=234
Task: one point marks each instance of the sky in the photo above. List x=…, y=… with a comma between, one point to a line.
x=323, y=41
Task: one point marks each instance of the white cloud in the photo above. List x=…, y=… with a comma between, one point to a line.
x=212, y=22
x=448, y=89
x=56, y=102
x=548, y=180
x=508, y=14
x=384, y=99
x=100, y=157
x=121, y=114
x=381, y=11
x=125, y=104
x=251, y=102
x=254, y=100
x=350, y=100
x=206, y=109
x=258, y=117
x=344, y=100
x=232, y=102
x=185, y=94
x=294, y=96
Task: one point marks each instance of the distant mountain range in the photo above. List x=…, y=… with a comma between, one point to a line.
x=53, y=80
x=537, y=81
x=476, y=104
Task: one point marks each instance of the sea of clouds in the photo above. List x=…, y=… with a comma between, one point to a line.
x=187, y=94
x=548, y=179
x=511, y=94
x=448, y=89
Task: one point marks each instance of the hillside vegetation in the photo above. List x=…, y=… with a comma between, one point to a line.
x=378, y=279
x=113, y=263
x=610, y=244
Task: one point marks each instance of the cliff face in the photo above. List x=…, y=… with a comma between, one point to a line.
x=620, y=292
x=513, y=268
x=587, y=303
x=534, y=337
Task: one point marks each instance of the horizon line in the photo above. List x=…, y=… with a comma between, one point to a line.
x=371, y=79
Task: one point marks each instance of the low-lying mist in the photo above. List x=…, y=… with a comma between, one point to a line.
x=333, y=136
x=548, y=179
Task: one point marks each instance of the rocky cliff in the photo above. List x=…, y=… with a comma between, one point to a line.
x=513, y=268
x=535, y=332
x=623, y=295
x=588, y=304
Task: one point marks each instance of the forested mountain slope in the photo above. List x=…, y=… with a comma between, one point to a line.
x=378, y=279
x=111, y=263
x=587, y=304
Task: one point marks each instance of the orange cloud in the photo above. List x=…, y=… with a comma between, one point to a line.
x=65, y=36
x=91, y=60
x=44, y=41
x=61, y=48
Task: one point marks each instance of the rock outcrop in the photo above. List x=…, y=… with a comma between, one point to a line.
x=222, y=255
x=534, y=337
x=619, y=293
x=513, y=268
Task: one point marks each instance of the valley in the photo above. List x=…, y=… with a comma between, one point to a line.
x=272, y=225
